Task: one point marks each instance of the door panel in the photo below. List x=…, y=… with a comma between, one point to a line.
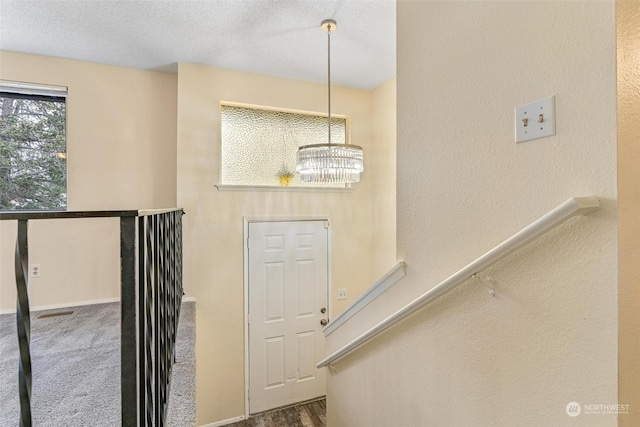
x=288, y=285
x=274, y=291
x=274, y=361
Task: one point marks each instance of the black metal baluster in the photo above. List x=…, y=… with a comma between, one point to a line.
x=172, y=292
x=174, y=281
x=179, y=248
x=165, y=318
x=142, y=327
x=157, y=321
x=128, y=342
x=145, y=323
x=178, y=291
x=23, y=320
x=151, y=268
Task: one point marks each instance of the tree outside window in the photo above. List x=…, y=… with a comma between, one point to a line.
x=33, y=167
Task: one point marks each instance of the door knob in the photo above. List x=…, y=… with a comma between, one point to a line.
x=323, y=310
x=323, y=322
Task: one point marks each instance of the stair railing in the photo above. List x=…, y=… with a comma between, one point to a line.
x=568, y=209
x=151, y=294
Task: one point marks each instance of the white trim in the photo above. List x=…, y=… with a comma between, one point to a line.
x=77, y=304
x=245, y=237
x=64, y=305
x=249, y=219
x=225, y=422
x=245, y=279
x=32, y=89
x=392, y=277
x=568, y=209
x=226, y=187
x=329, y=281
x=280, y=109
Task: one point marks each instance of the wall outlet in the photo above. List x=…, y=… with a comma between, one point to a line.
x=35, y=271
x=342, y=293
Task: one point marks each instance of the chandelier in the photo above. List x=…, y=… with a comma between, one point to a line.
x=329, y=163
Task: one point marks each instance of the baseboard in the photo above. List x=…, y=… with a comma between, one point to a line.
x=224, y=422
x=78, y=303
x=64, y=305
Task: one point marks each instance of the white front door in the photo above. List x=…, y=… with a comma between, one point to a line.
x=288, y=284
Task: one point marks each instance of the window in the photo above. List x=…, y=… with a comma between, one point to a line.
x=259, y=146
x=33, y=167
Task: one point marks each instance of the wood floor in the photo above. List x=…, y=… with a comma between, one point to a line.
x=310, y=414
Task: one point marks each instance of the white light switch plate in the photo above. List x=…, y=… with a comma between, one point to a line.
x=342, y=293
x=536, y=120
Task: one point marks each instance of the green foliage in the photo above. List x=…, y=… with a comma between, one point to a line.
x=33, y=167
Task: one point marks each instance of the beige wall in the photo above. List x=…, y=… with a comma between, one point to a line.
x=121, y=144
x=628, y=32
x=549, y=336
x=213, y=226
x=382, y=172
x=121, y=150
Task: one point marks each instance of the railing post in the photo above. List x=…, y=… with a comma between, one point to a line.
x=128, y=342
x=143, y=267
x=23, y=320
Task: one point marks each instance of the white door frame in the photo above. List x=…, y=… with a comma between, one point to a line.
x=245, y=237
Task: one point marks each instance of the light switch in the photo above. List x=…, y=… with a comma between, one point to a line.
x=536, y=120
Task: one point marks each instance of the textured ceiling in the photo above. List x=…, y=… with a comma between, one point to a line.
x=275, y=37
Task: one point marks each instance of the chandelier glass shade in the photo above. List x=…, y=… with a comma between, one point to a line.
x=329, y=163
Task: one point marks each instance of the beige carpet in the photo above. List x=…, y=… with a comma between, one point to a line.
x=76, y=368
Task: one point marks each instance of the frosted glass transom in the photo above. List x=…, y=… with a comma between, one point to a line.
x=259, y=146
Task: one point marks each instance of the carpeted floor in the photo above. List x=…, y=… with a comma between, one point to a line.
x=76, y=368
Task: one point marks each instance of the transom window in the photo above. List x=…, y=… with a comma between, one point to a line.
x=259, y=145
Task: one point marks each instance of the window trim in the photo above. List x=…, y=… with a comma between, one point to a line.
x=37, y=92
x=262, y=188
x=31, y=89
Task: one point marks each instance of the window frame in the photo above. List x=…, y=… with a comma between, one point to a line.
x=36, y=92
